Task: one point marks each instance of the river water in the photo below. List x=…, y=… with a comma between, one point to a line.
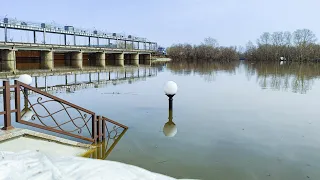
x=236, y=121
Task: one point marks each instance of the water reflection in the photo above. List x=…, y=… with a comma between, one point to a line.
x=241, y=133
x=70, y=82
x=170, y=128
x=284, y=76
x=297, y=77
x=105, y=148
x=206, y=70
x=26, y=113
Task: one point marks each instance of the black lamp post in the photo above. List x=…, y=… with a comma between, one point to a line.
x=170, y=101
x=170, y=90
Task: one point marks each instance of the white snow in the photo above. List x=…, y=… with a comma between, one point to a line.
x=33, y=165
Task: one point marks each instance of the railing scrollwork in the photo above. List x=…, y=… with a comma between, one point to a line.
x=48, y=112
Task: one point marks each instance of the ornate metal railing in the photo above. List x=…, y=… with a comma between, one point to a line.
x=54, y=114
x=110, y=133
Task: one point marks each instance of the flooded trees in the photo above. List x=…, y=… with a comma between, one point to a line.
x=281, y=45
x=208, y=51
x=297, y=46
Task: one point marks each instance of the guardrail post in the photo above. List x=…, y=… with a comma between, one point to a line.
x=99, y=128
x=6, y=106
x=103, y=130
x=17, y=100
x=94, y=128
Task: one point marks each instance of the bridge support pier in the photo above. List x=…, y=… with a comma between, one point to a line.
x=9, y=59
x=47, y=60
x=135, y=59
x=148, y=59
x=76, y=60
x=67, y=59
x=101, y=59
x=119, y=59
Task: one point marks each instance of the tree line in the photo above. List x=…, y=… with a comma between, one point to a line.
x=208, y=51
x=297, y=46
x=300, y=45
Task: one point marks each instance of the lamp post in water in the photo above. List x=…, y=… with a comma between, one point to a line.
x=170, y=90
x=26, y=113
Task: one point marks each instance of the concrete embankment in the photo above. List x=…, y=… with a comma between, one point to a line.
x=161, y=59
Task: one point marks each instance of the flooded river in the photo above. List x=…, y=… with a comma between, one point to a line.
x=236, y=121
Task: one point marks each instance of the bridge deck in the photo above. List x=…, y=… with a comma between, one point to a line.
x=68, y=48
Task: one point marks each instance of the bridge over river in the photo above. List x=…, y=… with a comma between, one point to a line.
x=46, y=46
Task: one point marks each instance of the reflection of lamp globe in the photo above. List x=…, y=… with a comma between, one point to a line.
x=25, y=78
x=170, y=129
x=26, y=114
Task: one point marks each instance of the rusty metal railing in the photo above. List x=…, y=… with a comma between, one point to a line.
x=104, y=131
x=109, y=134
x=54, y=114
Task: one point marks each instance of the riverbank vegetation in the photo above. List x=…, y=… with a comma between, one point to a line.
x=300, y=45
x=206, y=52
x=297, y=46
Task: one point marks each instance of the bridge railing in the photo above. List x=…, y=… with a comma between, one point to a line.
x=56, y=28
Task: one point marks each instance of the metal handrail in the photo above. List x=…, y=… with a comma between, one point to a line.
x=65, y=105
x=98, y=128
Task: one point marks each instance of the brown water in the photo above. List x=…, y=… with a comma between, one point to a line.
x=236, y=121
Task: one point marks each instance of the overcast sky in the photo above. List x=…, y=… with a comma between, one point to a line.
x=231, y=22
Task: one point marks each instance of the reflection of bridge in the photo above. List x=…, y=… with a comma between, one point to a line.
x=52, y=46
x=77, y=81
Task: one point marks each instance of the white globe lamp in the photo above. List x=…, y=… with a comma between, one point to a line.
x=170, y=88
x=25, y=78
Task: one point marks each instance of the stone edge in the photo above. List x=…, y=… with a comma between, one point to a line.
x=16, y=132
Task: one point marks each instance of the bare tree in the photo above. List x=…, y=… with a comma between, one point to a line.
x=303, y=37
x=201, y=53
x=209, y=41
x=249, y=46
x=299, y=46
x=278, y=38
x=264, y=39
x=287, y=38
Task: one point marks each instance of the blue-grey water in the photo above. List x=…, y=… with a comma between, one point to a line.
x=238, y=121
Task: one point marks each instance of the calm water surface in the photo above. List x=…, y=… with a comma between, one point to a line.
x=238, y=121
